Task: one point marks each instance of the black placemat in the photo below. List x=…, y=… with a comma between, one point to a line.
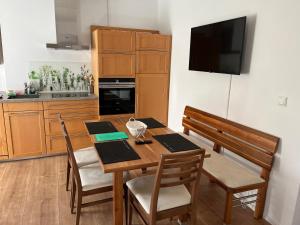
x=151, y=123
x=115, y=151
x=175, y=142
x=100, y=127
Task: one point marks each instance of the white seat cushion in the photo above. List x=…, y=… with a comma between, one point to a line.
x=93, y=177
x=86, y=156
x=170, y=197
x=224, y=169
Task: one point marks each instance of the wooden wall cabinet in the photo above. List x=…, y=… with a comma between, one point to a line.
x=157, y=42
x=117, y=65
x=3, y=143
x=152, y=96
x=115, y=41
x=24, y=129
x=150, y=62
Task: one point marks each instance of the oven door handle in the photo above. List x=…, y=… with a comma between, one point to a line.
x=116, y=86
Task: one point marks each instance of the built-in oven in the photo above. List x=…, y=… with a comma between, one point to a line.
x=116, y=96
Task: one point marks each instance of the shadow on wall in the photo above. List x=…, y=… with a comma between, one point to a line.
x=296, y=220
x=248, y=45
x=1, y=50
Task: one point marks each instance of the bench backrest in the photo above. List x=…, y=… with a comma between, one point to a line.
x=251, y=144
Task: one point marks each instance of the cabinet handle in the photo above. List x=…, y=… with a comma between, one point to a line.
x=24, y=113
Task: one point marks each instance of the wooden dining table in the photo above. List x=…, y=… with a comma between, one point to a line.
x=149, y=154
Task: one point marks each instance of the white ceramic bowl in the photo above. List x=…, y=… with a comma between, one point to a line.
x=136, y=128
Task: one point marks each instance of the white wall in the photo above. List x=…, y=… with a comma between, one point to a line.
x=133, y=13
x=273, y=71
x=28, y=27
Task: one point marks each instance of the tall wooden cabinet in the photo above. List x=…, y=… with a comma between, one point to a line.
x=24, y=124
x=140, y=54
x=152, y=75
x=152, y=96
x=3, y=145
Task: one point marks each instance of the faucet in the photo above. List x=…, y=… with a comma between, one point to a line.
x=26, y=89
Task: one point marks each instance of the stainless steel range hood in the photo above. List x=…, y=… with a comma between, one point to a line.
x=72, y=24
x=67, y=46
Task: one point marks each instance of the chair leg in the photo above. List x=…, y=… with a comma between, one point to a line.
x=129, y=210
x=73, y=192
x=228, y=208
x=260, y=203
x=78, y=210
x=126, y=202
x=68, y=175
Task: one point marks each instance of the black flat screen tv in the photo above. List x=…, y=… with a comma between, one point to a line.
x=218, y=47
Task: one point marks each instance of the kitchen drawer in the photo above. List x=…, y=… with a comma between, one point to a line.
x=57, y=144
x=77, y=104
x=74, y=125
x=157, y=42
x=22, y=106
x=66, y=113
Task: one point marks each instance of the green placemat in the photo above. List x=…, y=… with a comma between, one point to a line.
x=111, y=136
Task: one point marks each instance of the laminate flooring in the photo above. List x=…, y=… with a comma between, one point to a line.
x=32, y=192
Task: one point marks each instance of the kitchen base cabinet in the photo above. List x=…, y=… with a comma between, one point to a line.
x=74, y=113
x=25, y=133
x=152, y=96
x=32, y=129
x=3, y=145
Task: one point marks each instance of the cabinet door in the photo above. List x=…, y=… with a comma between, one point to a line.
x=3, y=145
x=116, y=41
x=148, y=41
x=57, y=144
x=150, y=62
x=116, y=65
x=74, y=125
x=152, y=96
x=25, y=133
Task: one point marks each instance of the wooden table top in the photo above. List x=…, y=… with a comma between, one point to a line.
x=149, y=153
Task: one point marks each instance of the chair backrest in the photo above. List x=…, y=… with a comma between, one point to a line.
x=176, y=169
x=70, y=151
x=254, y=145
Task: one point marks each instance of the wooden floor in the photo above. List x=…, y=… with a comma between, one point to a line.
x=32, y=192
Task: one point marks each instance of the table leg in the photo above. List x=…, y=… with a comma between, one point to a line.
x=118, y=198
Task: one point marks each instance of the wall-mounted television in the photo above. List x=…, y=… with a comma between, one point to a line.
x=218, y=47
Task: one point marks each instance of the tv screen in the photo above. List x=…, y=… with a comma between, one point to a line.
x=218, y=47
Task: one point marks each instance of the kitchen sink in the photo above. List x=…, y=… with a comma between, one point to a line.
x=23, y=96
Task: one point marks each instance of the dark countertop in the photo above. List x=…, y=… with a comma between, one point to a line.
x=52, y=97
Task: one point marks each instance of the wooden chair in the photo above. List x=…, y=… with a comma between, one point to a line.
x=83, y=157
x=86, y=180
x=173, y=191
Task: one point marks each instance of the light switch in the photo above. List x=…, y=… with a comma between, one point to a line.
x=282, y=100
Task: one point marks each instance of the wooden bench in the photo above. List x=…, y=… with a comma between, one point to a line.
x=251, y=144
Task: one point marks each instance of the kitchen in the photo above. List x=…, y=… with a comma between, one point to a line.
x=124, y=65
